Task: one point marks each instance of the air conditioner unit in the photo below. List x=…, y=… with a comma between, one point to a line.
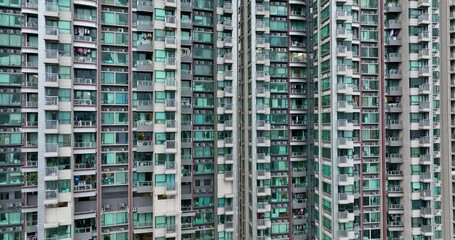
x=120, y=29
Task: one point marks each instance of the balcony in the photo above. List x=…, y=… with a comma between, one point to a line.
x=51, y=124
x=343, y=69
x=144, y=166
x=51, y=197
x=395, y=207
x=51, y=173
x=263, y=174
x=260, y=42
x=144, y=125
x=345, y=143
x=84, y=17
x=144, y=186
x=227, y=41
x=392, y=7
x=52, y=78
x=424, y=123
x=394, y=141
x=170, y=42
x=393, y=24
x=260, y=26
x=342, y=15
x=393, y=74
x=169, y=165
x=424, y=3
x=426, y=177
x=171, y=231
x=342, y=51
x=227, y=7
x=144, y=85
x=144, y=25
x=345, y=161
x=51, y=56
x=144, y=65
x=425, y=106
x=170, y=103
x=393, y=41
x=144, y=146
x=424, y=71
x=229, y=225
x=83, y=102
x=84, y=145
x=84, y=186
x=345, y=198
x=395, y=189
x=426, y=195
x=227, y=24
x=342, y=33
x=83, y=59
x=144, y=45
x=30, y=4
x=425, y=140
x=427, y=230
x=83, y=38
x=345, y=217
x=228, y=175
x=170, y=63
x=171, y=188
x=52, y=147
x=425, y=159
x=393, y=57
x=260, y=9
x=263, y=223
x=171, y=144
x=51, y=9
x=344, y=106
x=170, y=3
x=424, y=36
x=187, y=57
x=394, y=124
x=170, y=21
x=394, y=158
x=345, y=179
x=394, y=225
x=170, y=84
x=144, y=105
x=425, y=89
x=395, y=175
x=145, y=5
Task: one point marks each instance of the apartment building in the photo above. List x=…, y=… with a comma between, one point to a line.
x=274, y=92
x=118, y=119
x=202, y=119
x=377, y=120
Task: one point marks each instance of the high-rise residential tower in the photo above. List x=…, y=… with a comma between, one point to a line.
x=118, y=119
x=204, y=119
x=273, y=94
x=376, y=72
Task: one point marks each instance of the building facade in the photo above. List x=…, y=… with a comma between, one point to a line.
x=118, y=120
x=202, y=119
x=377, y=159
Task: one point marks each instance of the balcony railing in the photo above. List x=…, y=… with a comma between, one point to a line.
x=51, y=7
x=51, y=171
x=51, y=194
x=170, y=19
x=52, y=30
x=51, y=147
x=51, y=77
x=51, y=124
